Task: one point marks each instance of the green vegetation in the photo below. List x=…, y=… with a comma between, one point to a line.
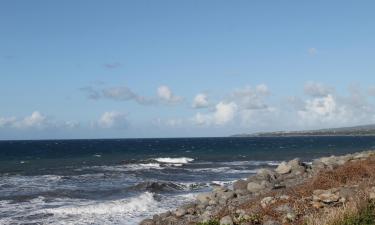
x=364, y=216
x=211, y=222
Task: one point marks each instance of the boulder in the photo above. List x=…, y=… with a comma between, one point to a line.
x=255, y=187
x=326, y=196
x=266, y=174
x=240, y=185
x=204, y=198
x=180, y=212
x=226, y=220
x=283, y=168
x=147, y=222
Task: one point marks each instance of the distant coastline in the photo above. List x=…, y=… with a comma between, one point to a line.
x=364, y=130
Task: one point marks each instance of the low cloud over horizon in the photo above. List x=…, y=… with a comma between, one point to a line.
x=247, y=109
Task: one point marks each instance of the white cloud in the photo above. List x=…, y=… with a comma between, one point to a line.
x=312, y=51
x=223, y=114
x=166, y=95
x=371, y=91
x=120, y=93
x=251, y=98
x=7, y=121
x=112, y=119
x=316, y=89
x=35, y=120
x=200, y=101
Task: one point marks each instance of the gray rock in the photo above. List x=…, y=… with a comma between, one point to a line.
x=147, y=222
x=266, y=174
x=283, y=168
x=180, y=212
x=326, y=196
x=267, y=201
x=285, y=208
x=255, y=187
x=204, y=198
x=240, y=185
x=226, y=220
x=271, y=222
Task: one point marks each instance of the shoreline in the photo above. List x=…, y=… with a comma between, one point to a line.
x=292, y=193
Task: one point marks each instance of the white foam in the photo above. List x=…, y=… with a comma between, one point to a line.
x=129, y=206
x=64, y=211
x=181, y=160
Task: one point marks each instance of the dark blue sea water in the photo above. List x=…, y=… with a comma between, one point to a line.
x=122, y=181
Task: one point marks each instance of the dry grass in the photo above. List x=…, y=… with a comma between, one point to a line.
x=360, y=173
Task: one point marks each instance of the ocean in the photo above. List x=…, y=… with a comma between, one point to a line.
x=122, y=181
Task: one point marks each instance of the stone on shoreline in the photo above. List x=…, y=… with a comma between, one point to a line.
x=283, y=168
x=226, y=220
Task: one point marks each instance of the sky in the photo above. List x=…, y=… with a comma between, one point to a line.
x=142, y=69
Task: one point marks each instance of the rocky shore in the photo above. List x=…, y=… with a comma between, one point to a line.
x=293, y=193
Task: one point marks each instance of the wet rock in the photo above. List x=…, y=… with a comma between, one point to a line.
x=283, y=168
x=226, y=220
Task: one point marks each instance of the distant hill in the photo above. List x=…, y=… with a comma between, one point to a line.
x=342, y=131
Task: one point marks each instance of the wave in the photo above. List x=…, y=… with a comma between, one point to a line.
x=138, y=204
x=167, y=186
x=252, y=163
x=181, y=160
x=128, y=211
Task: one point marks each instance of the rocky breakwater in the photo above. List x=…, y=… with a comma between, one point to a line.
x=293, y=193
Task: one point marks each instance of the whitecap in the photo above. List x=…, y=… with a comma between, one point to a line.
x=181, y=160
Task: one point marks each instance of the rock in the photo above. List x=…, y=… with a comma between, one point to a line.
x=317, y=205
x=227, y=195
x=267, y=201
x=204, y=198
x=240, y=185
x=226, y=220
x=372, y=193
x=147, y=222
x=326, y=196
x=285, y=208
x=271, y=222
x=283, y=168
x=266, y=174
x=255, y=187
x=180, y=212
x=290, y=216
x=295, y=163
x=284, y=197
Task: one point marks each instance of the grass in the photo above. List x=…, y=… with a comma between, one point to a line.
x=364, y=216
x=358, y=210
x=211, y=222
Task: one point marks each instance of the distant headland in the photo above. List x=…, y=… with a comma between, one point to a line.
x=363, y=130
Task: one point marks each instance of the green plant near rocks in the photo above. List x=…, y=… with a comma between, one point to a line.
x=365, y=216
x=253, y=219
x=210, y=222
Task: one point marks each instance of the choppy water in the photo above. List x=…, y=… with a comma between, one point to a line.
x=122, y=181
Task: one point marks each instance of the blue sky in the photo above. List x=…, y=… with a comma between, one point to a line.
x=102, y=69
